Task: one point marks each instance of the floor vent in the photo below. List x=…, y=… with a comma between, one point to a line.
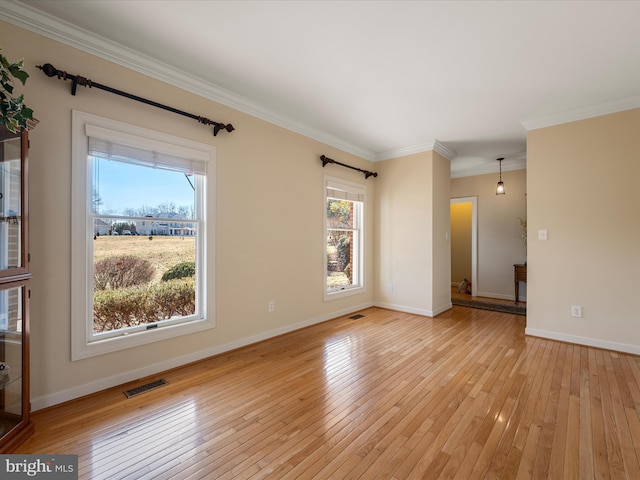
x=356, y=317
x=144, y=388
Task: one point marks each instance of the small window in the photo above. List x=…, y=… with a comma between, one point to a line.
x=138, y=235
x=344, y=238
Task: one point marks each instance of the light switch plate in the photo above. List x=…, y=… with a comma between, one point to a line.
x=542, y=234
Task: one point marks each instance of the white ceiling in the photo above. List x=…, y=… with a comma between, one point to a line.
x=375, y=78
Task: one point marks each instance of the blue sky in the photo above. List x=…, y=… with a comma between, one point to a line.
x=120, y=186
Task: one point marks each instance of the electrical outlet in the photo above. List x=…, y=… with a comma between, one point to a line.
x=272, y=305
x=390, y=287
x=576, y=311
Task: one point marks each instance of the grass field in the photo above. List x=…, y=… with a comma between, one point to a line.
x=163, y=252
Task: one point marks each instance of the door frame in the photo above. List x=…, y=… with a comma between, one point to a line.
x=474, y=239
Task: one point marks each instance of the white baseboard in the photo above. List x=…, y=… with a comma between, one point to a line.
x=440, y=310
x=416, y=311
x=44, y=401
x=587, y=341
x=501, y=296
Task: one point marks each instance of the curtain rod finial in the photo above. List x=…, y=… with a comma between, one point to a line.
x=221, y=126
x=48, y=69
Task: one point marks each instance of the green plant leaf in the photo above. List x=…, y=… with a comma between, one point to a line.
x=14, y=114
x=17, y=72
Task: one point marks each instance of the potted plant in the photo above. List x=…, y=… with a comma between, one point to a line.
x=14, y=114
x=523, y=236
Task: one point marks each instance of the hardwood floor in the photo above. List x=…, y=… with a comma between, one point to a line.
x=388, y=396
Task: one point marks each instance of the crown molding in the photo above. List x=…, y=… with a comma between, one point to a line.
x=582, y=113
x=48, y=26
x=434, y=145
x=515, y=162
x=444, y=151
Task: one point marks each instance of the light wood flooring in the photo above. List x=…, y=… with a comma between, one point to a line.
x=388, y=396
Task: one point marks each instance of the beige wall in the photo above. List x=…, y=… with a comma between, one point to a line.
x=461, y=242
x=268, y=238
x=582, y=185
x=580, y=181
x=499, y=243
x=441, y=246
x=412, y=225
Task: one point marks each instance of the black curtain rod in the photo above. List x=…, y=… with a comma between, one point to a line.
x=367, y=173
x=51, y=71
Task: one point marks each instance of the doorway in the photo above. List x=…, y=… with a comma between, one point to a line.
x=464, y=241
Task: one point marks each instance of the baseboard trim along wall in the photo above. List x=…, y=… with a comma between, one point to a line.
x=416, y=311
x=501, y=296
x=586, y=341
x=38, y=403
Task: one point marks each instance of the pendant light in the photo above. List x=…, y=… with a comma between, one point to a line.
x=500, y=188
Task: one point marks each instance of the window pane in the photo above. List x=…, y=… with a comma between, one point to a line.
x=140, y=279
x=339, y=256
x=144, y=245
x=133, y=190
x=339, y=213
x=343, y=257
x=10, y=204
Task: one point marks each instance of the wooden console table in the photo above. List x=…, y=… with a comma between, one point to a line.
x=519, y=275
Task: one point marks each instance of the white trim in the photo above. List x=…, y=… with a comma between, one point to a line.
x=440, y=149
x=433, y=145
x=582, y=113
x=38, y=403
x=509, y=164
x=587, y=341
x=82, y=343
x=416, y=311
x=502, y=296
x=347, y=292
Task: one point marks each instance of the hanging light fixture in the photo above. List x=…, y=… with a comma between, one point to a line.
x=500, y=187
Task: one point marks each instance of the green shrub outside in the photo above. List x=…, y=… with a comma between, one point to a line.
x=181, y=270
x=174, y=297
x=127, y=307
x=121, y=272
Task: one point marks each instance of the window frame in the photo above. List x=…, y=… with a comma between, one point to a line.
x=83, y=341
x=358, y=190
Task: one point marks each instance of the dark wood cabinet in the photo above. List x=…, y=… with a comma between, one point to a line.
x=15, y=422
x=519, y=275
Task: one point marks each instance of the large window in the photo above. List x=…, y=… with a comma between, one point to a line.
x=344, y=246
x=138, y=235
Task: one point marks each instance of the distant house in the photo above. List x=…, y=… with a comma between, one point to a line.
x=164, y=227
x=145, y=227
x=100, y=227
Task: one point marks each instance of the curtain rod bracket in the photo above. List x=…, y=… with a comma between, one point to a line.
x=51, y=71
x=325, y=160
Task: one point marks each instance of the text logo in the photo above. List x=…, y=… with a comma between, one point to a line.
x=51, y=467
